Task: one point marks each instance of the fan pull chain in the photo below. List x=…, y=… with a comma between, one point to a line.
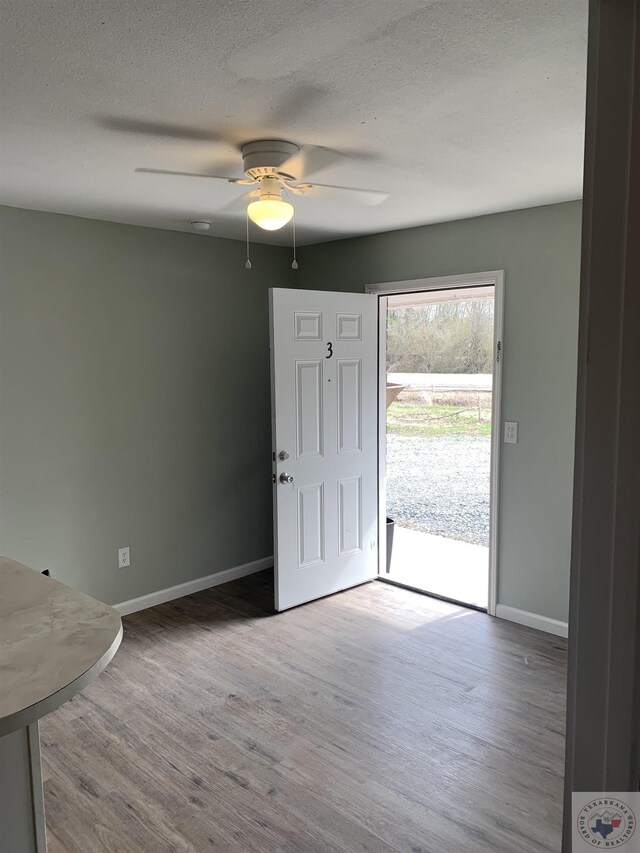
x=294, y=264
x=248, y=261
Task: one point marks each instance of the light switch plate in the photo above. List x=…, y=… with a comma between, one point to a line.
x=511, y=432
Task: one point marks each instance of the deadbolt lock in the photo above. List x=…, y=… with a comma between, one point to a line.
x=283, y=455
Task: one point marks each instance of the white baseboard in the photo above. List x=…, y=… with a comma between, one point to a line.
x=532, y=620
x=173, y=592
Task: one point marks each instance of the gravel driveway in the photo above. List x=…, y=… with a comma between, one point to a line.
x=440, y=485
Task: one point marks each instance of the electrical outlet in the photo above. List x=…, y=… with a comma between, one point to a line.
x=511, y=432
x=124, y=558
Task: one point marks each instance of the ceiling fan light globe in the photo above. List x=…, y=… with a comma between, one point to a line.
x=270, y=213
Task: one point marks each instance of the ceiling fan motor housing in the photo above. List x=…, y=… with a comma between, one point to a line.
x=263, y=158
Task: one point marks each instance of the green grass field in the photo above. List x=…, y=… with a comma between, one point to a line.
x=420, y=419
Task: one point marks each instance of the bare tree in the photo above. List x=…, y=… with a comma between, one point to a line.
x=448, y=337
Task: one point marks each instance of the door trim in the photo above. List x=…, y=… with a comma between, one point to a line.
x=447, y=282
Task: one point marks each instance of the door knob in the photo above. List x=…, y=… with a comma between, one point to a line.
x=286, y=478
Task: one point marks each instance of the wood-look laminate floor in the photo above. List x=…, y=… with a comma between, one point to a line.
x=374, y=720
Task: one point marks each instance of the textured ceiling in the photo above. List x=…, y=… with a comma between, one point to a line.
x=456, y=108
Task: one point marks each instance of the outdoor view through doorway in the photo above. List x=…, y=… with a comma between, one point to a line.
x=440, y=350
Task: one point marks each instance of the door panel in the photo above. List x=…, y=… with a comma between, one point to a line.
x=308, y=326
x=310, y=525
x=349, y=515
x=349, y=405
x=309, y=409
x=349, y=327
x=324, y=412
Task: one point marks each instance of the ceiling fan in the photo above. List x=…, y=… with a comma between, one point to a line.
x=276, y=168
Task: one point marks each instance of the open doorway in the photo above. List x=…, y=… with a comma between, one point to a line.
x=440, y=360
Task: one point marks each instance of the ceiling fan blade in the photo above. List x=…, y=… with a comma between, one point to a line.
x=242, y=181
x=309, y=160
x=349, y=194
x=164, y=129
x=239, y=204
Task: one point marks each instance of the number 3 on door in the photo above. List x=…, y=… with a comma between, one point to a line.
x=330, y=349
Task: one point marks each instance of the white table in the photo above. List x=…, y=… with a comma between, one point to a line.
x=53, y=642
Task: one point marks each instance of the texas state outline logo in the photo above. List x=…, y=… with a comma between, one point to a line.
x=605, y=821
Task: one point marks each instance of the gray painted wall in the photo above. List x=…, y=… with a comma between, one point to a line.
x=134, y=408
x=539, y=249
x=134, y=387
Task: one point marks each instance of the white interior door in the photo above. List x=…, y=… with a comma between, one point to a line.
x=324, y=413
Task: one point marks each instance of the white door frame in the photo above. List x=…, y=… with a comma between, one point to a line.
x=447, y=282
